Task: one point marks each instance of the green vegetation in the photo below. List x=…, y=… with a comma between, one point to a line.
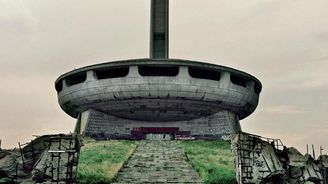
x=5, y=181
x=100, y=161
x=213, y=160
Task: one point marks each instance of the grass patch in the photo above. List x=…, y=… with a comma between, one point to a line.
x=213, y=160
x=100, y=161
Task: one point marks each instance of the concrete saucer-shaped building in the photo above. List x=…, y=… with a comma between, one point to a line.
x=132, y=98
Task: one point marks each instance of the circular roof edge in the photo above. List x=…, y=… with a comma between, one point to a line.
x=151, y=61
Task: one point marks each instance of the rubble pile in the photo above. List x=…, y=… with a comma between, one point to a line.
x=323, y=165
x=49, y=158
x=262, y=160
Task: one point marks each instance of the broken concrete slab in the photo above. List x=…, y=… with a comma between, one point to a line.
x=264, y=160
x=49, y=158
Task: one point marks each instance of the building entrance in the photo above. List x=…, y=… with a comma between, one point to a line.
x=154, y=133
x=159, y=136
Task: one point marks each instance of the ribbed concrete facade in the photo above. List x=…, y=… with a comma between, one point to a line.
x=101, y=125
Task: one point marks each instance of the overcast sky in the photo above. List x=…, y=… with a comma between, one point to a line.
x=284, y=43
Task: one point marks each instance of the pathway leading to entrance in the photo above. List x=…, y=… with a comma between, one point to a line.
x=158, y=162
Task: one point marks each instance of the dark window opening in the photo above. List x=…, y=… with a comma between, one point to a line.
x=257, y=88
x=240, y=81
x=204, y=74
x=158, y=70
x=112, y=73
x=76, y=78
x=59, y=86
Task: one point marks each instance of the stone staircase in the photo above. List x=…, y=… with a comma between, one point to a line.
x=158, y=162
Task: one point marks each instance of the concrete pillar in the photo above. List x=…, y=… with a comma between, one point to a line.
x=250, y=85
x=84, y=117
x=183, y=74
x=237, y=127
x=225, y=80
x=133, y=72
x=77, y=128
x=91, y=76
x=159, y=29
x=64, y=84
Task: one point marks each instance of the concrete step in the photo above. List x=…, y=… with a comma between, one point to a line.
x=158, y=162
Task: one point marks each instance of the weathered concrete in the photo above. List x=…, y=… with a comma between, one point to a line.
x=159, y=98
x=256, y=160
x=158, y=162
x=159, y=29
x=47, y=159
x=102, y=126
x=59, y=161
x=159, y=90
x=323, y=164
x=266, y=161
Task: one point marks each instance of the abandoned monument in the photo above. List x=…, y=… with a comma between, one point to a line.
x=132, y=98
x=160, y=98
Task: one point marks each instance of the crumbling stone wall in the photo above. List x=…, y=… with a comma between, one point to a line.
x=323, y=165
x=49, y=158
x=262, y=160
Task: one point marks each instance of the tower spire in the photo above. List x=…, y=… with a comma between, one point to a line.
x=159, y=29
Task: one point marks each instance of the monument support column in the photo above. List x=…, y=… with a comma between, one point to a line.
x=159, y=29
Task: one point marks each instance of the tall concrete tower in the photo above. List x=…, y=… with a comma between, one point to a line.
x=159, y=29
x=132, y=99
